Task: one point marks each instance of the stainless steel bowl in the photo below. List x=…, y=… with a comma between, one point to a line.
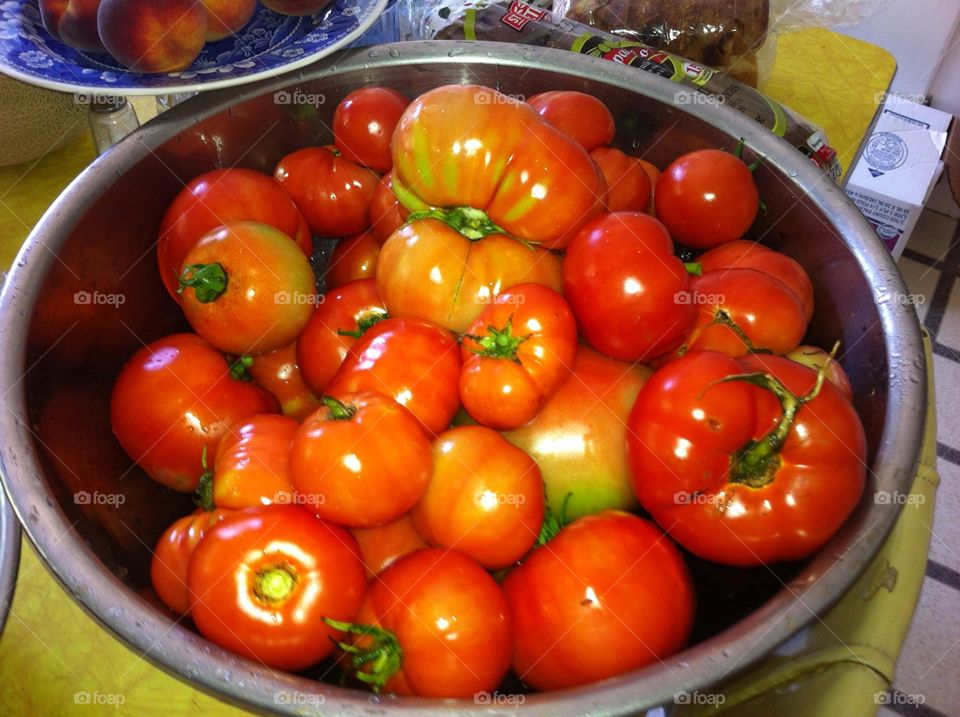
x=9, y=556
x=63, y=346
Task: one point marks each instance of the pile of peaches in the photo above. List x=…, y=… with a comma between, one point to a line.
x=156, y=35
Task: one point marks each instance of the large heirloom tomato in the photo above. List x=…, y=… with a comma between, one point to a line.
x=477, y=168
x=470, y=146
x=579, y=437
x=263, y=579
x=173, y=400
x=758, y=468
x=610, y=593
x=430, y=270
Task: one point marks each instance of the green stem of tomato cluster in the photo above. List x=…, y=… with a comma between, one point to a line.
x=371, y=318
x=473, y=223
x=376, y=662
x=757, y=462
x=338, y=410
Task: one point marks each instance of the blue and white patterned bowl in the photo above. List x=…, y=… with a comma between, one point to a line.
x=268, y=45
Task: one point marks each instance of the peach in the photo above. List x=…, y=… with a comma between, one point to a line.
x=296, y=7
x=73, y=22
x=153, y=35
x=227, y=17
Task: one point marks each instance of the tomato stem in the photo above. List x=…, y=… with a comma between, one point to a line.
x=757, y=462
x=369, y=319
x=274, y=584
x=552, y=523
x=498, y=343
x=209, y=281
x=203, y=498
x=338, y=410
x=694, y=268
x=240, y=368
x=473, y=223
x=375, y=663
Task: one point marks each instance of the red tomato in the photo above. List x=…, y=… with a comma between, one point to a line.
x=626, y=287
x=333, y=328
x=443, y=624
x=485, y=497
x=279, y=373
x=745, y=474
x=516, y=355
x=751, y=255
x=816, y=358
x=628, y=184
x=706, y=198
x=173, y=401
x=247, y=289
x=580, y=116
x=171, y=557
x=653, y=173
x=263, y=579
x=253, y=463
x=382, y=545
x=414, y=362
x=352, y=258
x=579, y=437
x=739, y=310
x=361, y=460
x=220, y=197
x=363, y=124
x=332, y=192
x=464, y=275
x=609, y=594
x=496, y=156
x=386, y=213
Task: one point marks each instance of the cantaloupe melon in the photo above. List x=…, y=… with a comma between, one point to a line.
x=34, y=120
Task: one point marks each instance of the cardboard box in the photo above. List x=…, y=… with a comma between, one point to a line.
x=899, y=163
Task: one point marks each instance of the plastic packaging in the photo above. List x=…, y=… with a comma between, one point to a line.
x=518, y=22
x=721, y=34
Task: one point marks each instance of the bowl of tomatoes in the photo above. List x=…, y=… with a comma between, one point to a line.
x=404, y=384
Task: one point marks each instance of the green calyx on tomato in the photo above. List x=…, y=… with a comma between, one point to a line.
x=693, y=267
x=371, y=318
x=208, y=281
x=375, y=663
x=203, y=498
x=275, y=583
x=473, y=223
x=338, y=410
x=240, y=368
x=553, y=523
x=757, y=462
x=499, y=343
